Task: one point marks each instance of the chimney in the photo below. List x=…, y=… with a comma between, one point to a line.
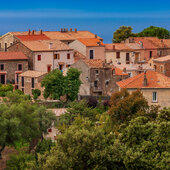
x=66, y=29
x=61, y=30
x=145, y=81
x=29, y=32
x=33, y=32
x=75, y=30
x=95, y=35
x=141, y=44
x=70, y=29
x=99, y=43
x=41, y=32
x=50, y=45
x=124, y=70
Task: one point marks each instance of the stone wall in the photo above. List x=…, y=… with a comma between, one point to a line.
x=20, y=47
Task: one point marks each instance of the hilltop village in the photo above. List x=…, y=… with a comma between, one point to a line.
x=137, y=63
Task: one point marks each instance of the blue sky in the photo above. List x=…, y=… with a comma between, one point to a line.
x=98, y=16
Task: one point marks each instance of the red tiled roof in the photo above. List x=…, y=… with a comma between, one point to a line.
x=119, y=72
x=162, y=59
x=91, y=42
x=12, y=56
x=32, y=37
x=78, y=56
x=154, y=80
x=95, y=63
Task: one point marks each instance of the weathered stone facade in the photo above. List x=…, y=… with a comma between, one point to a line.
x=11, y=69
x=20, y=47
x=97, y=81
x=6, y=41
x=28, y=85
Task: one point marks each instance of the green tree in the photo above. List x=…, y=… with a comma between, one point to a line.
x=23, y=122
x=36, y=93
x=153, y=31
x=82, y=147
x=145, y=144
x=122, y=34
x=72, y=84
x=125, y=106
x=54, y=84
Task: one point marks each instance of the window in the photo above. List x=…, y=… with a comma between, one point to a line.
x=97, y=71
x=2, y=67
x=19, y=67
x=68, y=56
x=129, y=74
x=22, y=81
x=95, y=83
x=107, y=82
x=10, y=44
x=155, y=67
x=39, y=57
x=57, y=56
x=49, y=130
x=48, y=69
x=17, y=78
x=32, y=83
x=127, y=58
x=68, y=65
x=0, y=46
x=91, y=54
x=154, y=96
x=117, y=55
x=150, y=54
x=5, y=46
x=113, y=71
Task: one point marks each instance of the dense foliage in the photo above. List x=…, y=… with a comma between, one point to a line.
x=57, y=85
x=4, y=89
x=129, y=134
x=125, y=32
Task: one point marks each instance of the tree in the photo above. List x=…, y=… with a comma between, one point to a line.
x=153, y=31
x=53, y=83
x=145, y=144
x=56, y=85
x=72, y=84
x=82, y=147
x=23, y=122
x=125, y=106
x=122, y=34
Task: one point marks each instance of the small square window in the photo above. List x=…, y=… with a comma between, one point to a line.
x=97, y=71
x=19, y=67
x=117, y=55
x=96, y=83
x=2, y=67
x=49, y=130
x=39, y=57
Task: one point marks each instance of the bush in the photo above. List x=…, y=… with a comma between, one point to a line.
x=4, y=89
x=92, y=102
x=36, y=93
x=19, y=161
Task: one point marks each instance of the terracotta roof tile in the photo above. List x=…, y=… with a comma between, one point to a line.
x=32, y=37
x=12, y=56
x=95, y=63
x=78, y=56
x=162, y=59
x=91, y=42
x=44, y=45
x=120, y=72
x=31, y=73
x=155, y=80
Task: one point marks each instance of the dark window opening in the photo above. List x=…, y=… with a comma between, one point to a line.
x=91, y=54
x=39, y=58
x=32, y=83
x=22, y=81
x=95, y=83
x=5, y=46
x=117, y=55
x=127, y=58
x=19, y=67
x=150, y=54
x=2, y=67
x=68, y=56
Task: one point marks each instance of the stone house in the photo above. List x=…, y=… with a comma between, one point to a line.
x=11, y=38
x=121, y=53
x=162, y=65
x=154, y=86
x=30, y=80
x=97, y=77
x=45, y=55
x=92, y=48
x=151, y=47
x=11, y=65
x=64, y=35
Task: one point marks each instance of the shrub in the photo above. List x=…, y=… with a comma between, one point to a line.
x=92, y=102
x=4, y=89
x=36, y=93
